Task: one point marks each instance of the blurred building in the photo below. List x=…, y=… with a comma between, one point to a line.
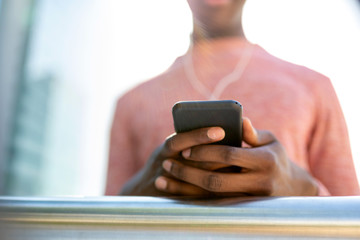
x=24, y=104
x=44, y=92
x=15, y=24
x=33, y=160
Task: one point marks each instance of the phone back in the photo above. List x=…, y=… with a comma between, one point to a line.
x=190, y=115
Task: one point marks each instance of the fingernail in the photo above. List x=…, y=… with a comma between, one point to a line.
x=167, y=165
x=186, y=153
x=161, y=183
x=216, y=133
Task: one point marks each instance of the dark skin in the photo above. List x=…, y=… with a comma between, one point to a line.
x=267, y=171
x=216, y=21
x=186, y=165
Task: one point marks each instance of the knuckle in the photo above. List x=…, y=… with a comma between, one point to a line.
x=270, y=159
x=169, y=145
x=266, y=137
x=213, y=183
x=177, y=171
x=202, y=136
x=279, y=148
x=269, y=135
x=269, y=155
x=229, y=154
x=265, y=187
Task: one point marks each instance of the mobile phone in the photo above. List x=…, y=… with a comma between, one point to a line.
x=227, y=114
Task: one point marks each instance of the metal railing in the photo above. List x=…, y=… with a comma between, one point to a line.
x=160, y=218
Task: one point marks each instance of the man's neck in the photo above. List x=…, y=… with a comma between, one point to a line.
x=200, y=33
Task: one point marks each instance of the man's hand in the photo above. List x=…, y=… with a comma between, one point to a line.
x=143, y=183
x=266, y=168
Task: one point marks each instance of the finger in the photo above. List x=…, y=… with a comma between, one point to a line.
x=179, y=188
x=249, y=158
x=181, y=141
x=208, y=180
x=211, y=166
x=254, y=137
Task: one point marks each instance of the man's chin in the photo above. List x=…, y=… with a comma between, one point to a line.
x=217, y=3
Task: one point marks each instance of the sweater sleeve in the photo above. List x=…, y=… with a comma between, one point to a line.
x=121, y=162
x=330, y=156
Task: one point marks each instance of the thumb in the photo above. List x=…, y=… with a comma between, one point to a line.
x=254, y=137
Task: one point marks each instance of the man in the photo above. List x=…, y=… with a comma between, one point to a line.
x=304, y=150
